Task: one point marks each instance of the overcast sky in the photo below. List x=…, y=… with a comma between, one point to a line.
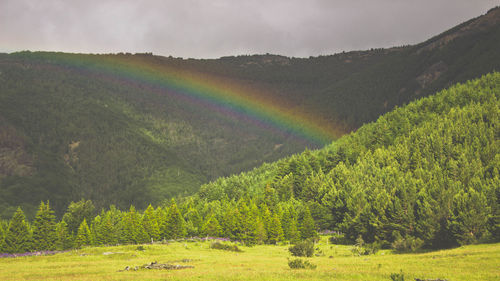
x=214, y=28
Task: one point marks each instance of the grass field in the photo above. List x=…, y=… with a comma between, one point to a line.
x=476, y=262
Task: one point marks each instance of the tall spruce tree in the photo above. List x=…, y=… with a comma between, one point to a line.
x=275, y=232
x=174, y=223
x=212, y=227
x=76, y=213
x=132, y=228
x=150, y=224
x=83, y=235
x=44, y=228
x=308, y=229
x=18, y=236
x=64, y=239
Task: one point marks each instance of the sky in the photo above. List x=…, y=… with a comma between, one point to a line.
x=215, y=28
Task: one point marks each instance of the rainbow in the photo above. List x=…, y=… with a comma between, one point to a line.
x=228, y=97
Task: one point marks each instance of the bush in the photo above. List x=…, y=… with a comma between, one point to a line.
x=339, y=239
x=140, y=248
x=406, y=244
x=398, y=276
x=362, y=249
x=302, y=249
x=225, y=247
x=299, y=263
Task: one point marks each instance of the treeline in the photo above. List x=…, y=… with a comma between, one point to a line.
x=426, y=174
x=242, y=221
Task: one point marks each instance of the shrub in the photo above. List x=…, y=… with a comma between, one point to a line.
x=406, y=244
x=225, y=247
x=140, y=248
x=299, y=263
x=339, y=239
x=362, y=249
x=398, y=276
x=302, y=249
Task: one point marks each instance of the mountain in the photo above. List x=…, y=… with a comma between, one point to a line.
x=122, y=128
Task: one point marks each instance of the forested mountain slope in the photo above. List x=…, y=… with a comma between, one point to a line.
x=423, y=174
x=121, y=129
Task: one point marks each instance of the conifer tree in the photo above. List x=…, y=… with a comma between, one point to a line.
x=83, y=235
x=64, y=240
x=18, y=236
x=256, y=232
x=150, y=224
x=193, y=219
x=308, y=229
x=132, y=228
x=294, y=231
x=44, y=228
x=212, y=227
x=174, y=223
x=110, y=226
x=77, y=212
x=1, y=234
x=97, y=236
x=266, y=218
x=275, y=232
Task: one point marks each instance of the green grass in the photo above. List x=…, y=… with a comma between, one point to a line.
x=477, y=262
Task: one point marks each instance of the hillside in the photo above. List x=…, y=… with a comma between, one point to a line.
x=132, y=129
x=426, y=173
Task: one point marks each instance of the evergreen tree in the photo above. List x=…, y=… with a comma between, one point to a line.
x=18, y=236
x=44, y=228
x=193, y=222
x=150, y=224
x=110, y=226
x=230, y=223
x=97, y=236
x=174, y=223
x=83, y=235
x=275, y=232
x=294, y=231
x=211, y=227
x=132, y=228
x=77, y=212
x=64, y=240
x=308, y=229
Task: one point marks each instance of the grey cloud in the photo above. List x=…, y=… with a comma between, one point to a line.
x=208, y=29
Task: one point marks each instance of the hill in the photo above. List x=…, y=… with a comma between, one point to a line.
x=426, y=173
x=121, y=129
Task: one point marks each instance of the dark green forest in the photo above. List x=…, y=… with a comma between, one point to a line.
x=425, y=175
x=67, y=133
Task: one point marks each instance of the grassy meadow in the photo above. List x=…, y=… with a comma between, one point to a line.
x=336, y=262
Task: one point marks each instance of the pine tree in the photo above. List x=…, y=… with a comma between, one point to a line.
x=83, y=235
x=174, y=224
x=132, y=229
x=150, y=224
x=308, y=229
x=294, y=231
x=110, y=226
x=77, y=212
x=211, y=227
x=230, y=224
x=194, y=221
x=44, y=228
x=275, y=232
x=97, y=236
x=64, y=240
x=266, y=218
x=18, y=236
